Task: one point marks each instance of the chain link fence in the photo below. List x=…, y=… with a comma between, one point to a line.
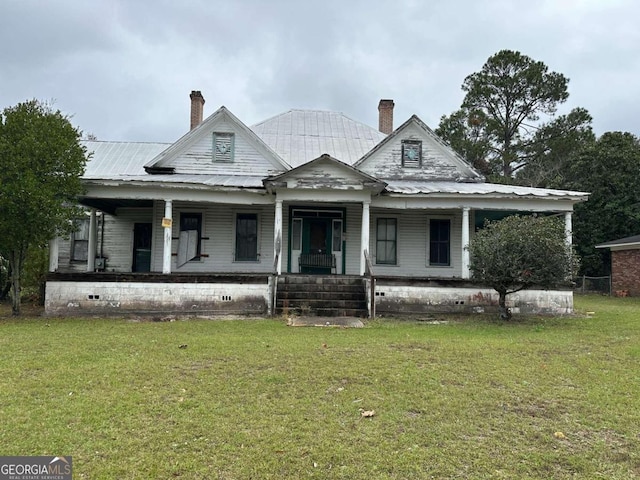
x=586, y=284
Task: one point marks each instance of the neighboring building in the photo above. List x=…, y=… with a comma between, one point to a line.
x=230, y=218
x=625, y=265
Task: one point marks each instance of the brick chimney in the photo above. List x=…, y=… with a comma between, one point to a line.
x=197, y=108
x=385, y=116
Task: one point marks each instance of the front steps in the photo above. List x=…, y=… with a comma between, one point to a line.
x=321, y=295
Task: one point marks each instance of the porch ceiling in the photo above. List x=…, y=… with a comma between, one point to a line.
x=109, y=205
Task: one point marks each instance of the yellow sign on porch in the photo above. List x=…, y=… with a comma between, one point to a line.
x=167, y=222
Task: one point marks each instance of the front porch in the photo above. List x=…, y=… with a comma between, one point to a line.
x=256, y=294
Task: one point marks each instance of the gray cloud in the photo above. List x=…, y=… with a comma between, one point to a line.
x=124, y=69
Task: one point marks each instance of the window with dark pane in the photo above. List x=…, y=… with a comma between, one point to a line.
x=192, y=222
x=440, y=242
x=80, y=241
x=386, y=241
x=246, y=237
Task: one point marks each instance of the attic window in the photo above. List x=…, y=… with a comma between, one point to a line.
x=412, y=153
x=223, y=144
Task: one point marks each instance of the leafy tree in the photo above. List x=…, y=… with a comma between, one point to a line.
x=41, y=161
x=554, y=147
x=501, y=109
x=610, y=170
x=521, y=252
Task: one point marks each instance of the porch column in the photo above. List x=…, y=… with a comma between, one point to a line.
x=568, y=228
x=466, y=259
x=167, y=224
x=364, y=236
x=53, y=254
x=91, y=244
x=277, y=238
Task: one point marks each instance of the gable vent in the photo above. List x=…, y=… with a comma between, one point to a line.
x=412, y=153
x=223, y=144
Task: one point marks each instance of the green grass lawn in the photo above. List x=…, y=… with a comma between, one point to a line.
x=472, y=398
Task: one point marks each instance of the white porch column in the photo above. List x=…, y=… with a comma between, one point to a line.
x=167, y=224
x=53, y=254
x=466, y=259
x=91, y=244
x=277, y=237
x=364, y=236
x=568, y=227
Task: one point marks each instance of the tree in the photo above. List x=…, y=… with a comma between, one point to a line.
x=41, y=161
x=501, y=109
x=520, y=252
x=610, y=170
x=554, y=147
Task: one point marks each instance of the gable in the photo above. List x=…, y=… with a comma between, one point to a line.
x=414, y=152
x=325, y=172
x=221, y=145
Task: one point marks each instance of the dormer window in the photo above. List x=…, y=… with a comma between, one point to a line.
x=223, y=147
x=412, y=153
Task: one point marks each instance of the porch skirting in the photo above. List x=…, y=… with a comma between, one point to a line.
x=396, y=296
x=154, y=294
x=111, y=294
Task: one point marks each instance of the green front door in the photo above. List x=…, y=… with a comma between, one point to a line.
x=316, y=238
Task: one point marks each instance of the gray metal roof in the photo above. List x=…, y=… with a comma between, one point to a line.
x=230, y=181
x=299, y=136
x=111, y=160
x=479, y=188
x=621, y=242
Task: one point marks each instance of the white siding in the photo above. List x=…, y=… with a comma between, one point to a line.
x=353, y=232
x=413, y=243
x=247, y=160
x=118, y=237
x=218, y=244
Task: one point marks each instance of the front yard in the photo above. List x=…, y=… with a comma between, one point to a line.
x=463, y=398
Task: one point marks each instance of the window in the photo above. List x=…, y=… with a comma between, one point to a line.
x=336, y=241
x=80, y=241
x=223, y=147
x=189, y=246
x=246, y=237
x=440, y=242
x=386, y=240
x=412, y=153
x=296, y=234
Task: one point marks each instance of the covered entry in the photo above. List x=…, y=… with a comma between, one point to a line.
x=316, y=240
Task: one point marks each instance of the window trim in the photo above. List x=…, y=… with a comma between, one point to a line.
x=395, y=241
x=235, y=237
x=200, y=215
x=72, y=254
x=431, y=242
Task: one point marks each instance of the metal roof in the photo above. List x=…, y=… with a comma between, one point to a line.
x=621, y=242
x=230, y=181
x=478, y=188
x=119, y=159
x=299, y=136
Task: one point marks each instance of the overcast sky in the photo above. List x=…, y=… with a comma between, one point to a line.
x=124, y=68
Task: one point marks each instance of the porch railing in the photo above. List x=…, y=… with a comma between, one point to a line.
x=317, y=260
x=368, y=271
